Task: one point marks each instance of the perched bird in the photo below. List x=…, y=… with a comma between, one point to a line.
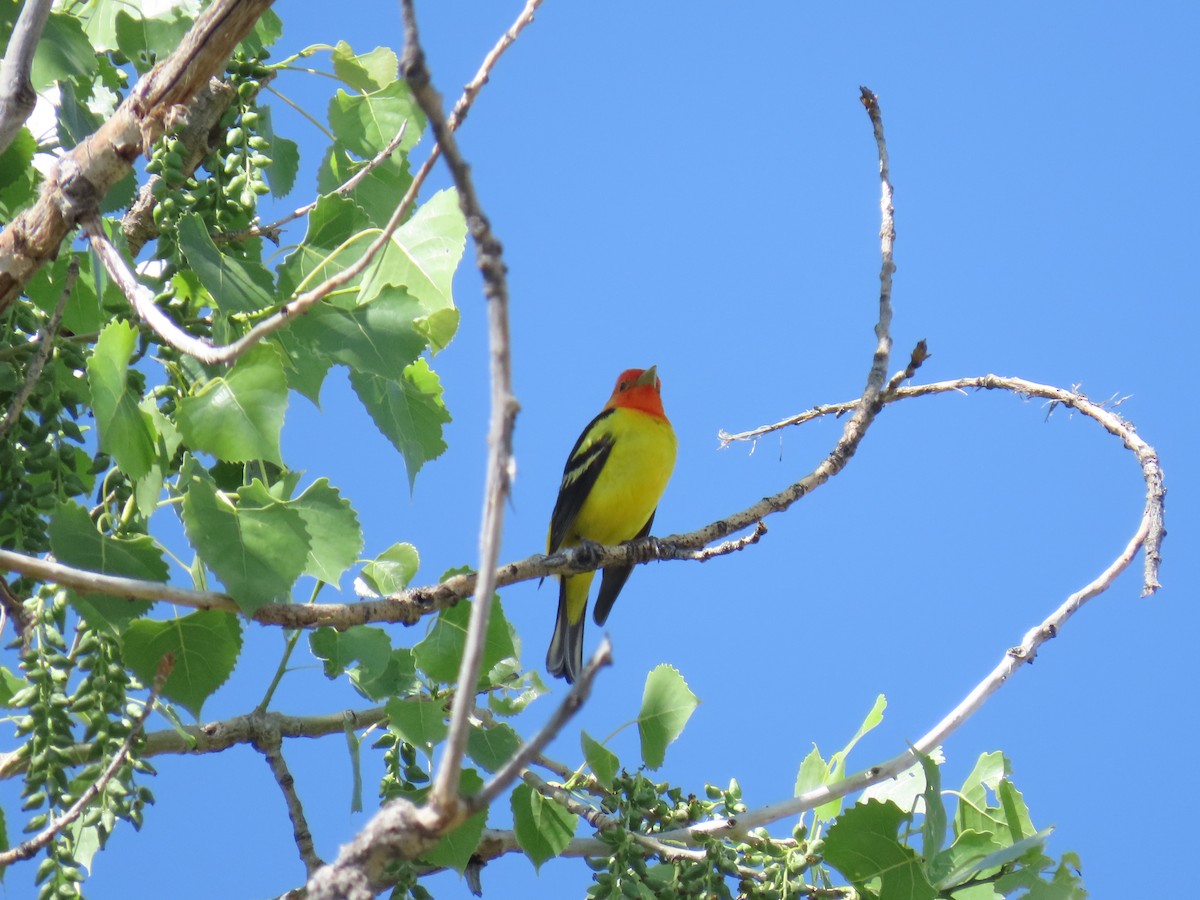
x=610, y=490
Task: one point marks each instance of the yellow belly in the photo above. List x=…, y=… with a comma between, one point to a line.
x=630, y=485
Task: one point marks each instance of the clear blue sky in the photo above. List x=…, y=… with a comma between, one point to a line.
x=706, y=170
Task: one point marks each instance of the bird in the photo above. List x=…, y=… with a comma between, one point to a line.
x=612, y=482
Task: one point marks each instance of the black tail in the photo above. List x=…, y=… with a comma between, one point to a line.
x=564, y=659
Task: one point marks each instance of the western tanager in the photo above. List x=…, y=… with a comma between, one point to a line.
x=611, y=485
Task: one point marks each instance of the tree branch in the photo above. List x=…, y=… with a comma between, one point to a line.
x=17, y=97
x=532, y=750
x=444, y=794
x=269, y=743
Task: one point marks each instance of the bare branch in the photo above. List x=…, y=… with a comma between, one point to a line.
x=17, y=97
x=45, y=346
x=444, y=793
x=570, y=705
x=269, y=743
x=28, y=848
x=139, y=296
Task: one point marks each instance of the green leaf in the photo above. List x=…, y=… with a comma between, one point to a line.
x=973, y=812
x=420, y=722
x=256, y=546
x=63, y=52
x=125, y=431
x=376, y=194
x=422, y=258
x=17, y=158
x=365, y=72
x=966, y=871
x=493, y=746
x=285, y=156
x=837, y=762
x=439, y=654
x=863, y=845
x=454, y=850
x=518, y=698
x=205, y=645
x=377, y=338
x=365, y=123
x=158, y=35
x=335, y=537
x=238, y=417
x=236, y=285
x=967, y=849
x=18, y=178
x=76, y=542
x=602, y=761
x=542, y=827
x=334, y=221
x=1016, y=813
x=813, y=772
x=933, y=828
x=398, y=678
x=667, y=704
x=338, y=650
x=410, y=413
x=392, y=570
x=354, y=749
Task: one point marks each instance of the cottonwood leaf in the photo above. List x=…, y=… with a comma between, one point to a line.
x=602, y=761
x=204, y=644
x=238, y=417
x=334, y=534
x=542, y=827
x=863, y=845
x=236, y=285
x=257, y=545
x=439, y=654
x=409, y=412
x=392, y=570
x=667, y=704
x=493, y=746
x=454, y=850
x=420, y=722
x=76, y=542
x=125, y=430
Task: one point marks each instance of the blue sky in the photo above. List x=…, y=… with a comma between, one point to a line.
x=695, y=187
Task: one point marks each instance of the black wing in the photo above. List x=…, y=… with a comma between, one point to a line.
x=582, y=469
x=614, y=579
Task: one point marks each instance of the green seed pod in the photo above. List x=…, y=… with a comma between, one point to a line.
x=236, y=137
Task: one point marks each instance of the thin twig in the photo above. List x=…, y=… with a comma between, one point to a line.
x=532, y=750
x=444, y=793
x=45, y=346
x=17, y=97
x=139, y=296
x=1014, y=659
x=269, y=743
x=28, y=848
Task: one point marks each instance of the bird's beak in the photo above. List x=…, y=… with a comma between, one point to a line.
x=650, y=377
